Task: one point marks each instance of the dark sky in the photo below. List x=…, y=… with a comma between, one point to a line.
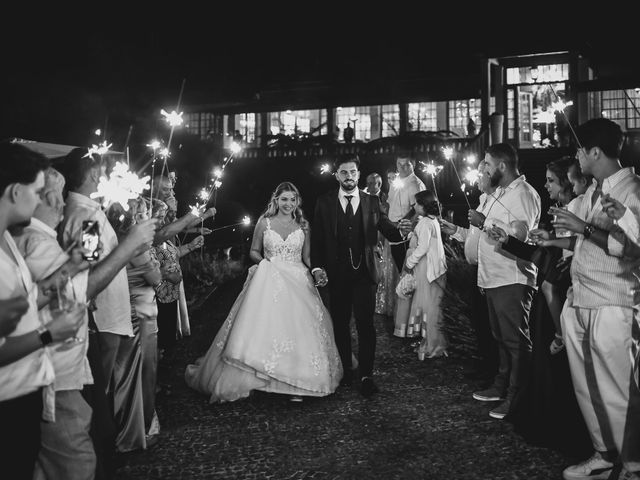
x=65, y=77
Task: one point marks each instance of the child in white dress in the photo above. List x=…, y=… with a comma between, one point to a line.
x=425, y=259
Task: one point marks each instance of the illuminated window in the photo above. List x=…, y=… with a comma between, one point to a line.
x=543, y=73
x=295, y=122
x=423, y=116
x=390, y=119
x=245, y=123
x=199, y=124
x=616, y=106
x=360, y=119
x=511, y=114
x=460, y=112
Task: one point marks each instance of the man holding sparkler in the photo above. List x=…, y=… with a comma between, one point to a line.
x=402, y=192
x=508, y=282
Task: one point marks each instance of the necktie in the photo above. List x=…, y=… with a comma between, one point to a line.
x=349, y=210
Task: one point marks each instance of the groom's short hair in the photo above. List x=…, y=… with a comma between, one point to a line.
x=346, y=158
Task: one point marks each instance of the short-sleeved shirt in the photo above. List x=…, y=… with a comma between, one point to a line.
x=113, y=314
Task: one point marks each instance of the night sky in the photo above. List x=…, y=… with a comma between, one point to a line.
x=63, y=78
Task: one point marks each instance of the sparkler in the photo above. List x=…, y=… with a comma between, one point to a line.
x=100, y=149
x=559, y=106
x=433, y=170
x=174, y=119
x=154, y=145
x=246, y=220
x=325, y=168
x=448, y=154
x=121, y=186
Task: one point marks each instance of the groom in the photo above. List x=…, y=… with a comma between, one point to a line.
x=343, y=239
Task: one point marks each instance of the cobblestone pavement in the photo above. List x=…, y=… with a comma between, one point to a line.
x=423, y=424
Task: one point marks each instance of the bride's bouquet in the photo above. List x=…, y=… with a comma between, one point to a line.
x=406, y=286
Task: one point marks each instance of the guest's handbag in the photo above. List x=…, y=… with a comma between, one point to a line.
x=406, y=286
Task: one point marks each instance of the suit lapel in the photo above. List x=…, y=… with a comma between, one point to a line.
x=334, y=204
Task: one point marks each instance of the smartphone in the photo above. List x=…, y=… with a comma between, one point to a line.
x=90, y=240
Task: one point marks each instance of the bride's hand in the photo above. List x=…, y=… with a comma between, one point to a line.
x=304, y=225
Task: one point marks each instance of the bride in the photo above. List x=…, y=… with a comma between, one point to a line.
x=278, y=336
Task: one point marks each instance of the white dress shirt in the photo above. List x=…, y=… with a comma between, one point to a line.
x=43, y=255
x=35, y=370
x=516, y=207
x=402, y=196
x=113, y=313
x=355, y=201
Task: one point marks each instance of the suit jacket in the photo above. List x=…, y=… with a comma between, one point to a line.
x=324, y=233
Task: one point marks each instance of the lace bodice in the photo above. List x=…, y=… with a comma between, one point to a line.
x=288, y=249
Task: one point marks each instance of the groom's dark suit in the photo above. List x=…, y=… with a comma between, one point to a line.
x=344, y=245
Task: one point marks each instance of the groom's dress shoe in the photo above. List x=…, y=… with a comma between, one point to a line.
x=368, y=388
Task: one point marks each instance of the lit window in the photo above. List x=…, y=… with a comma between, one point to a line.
x=462, y=113
x=423, y=116
x=296, y=122
x=245, y=124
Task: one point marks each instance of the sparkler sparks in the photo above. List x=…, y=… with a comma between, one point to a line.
x=472, y=176
x=325, y=168
x=235, y=148
x=448, y=152
x=121, y=186
x=100, y=149
x=154, y=145
x=174, y=119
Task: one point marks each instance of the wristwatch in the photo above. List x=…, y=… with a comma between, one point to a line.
x=588, y=230
x=45, y=336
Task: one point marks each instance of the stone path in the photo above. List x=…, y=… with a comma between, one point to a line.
x=423, y=424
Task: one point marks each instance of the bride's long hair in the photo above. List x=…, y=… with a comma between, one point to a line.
x=272, y=206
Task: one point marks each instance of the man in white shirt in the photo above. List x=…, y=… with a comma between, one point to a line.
x=508, y=283
x=26, y=371
x=600, y=320
x=108, y=284
x=402, y=194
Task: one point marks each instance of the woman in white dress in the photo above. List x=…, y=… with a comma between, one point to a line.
x=278, y=336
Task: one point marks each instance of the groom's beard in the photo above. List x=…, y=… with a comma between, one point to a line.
x=348, y=185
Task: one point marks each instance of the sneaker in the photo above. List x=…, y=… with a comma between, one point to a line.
x=501, y=410
x=491, y=394
x=594, y=467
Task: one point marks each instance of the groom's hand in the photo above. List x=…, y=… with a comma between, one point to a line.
x=320, y=278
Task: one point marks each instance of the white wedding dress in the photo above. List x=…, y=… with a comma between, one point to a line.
x=278, y=336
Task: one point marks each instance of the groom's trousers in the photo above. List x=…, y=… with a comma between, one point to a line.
x=354, y=293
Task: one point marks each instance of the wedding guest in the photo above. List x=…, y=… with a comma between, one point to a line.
x=385, y=293
x=109, y=316
x=509, y=284
x=599, y=319
x=66, y=447
x=545, y=411
x=487, y=363
x=26, y=370
x=168, y=290
x=143, y=274
x=426, y=261
x=402, y=198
